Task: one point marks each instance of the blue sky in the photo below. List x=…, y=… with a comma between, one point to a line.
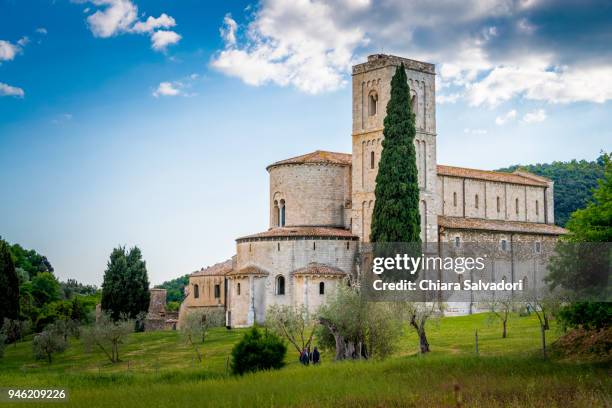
x=151, y=123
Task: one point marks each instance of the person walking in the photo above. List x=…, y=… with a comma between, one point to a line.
x=316, y=357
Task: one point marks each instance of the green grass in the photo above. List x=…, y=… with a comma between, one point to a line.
x=161, y=372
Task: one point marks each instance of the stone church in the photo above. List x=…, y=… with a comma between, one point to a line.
x=321, y=207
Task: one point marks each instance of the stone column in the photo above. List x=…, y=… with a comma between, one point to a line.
x=251, y=313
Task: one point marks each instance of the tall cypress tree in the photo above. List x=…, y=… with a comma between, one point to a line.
x=125, y=289
x=9, y=285
x=396, y=215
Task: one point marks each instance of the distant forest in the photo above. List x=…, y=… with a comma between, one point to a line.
x=574, y=183
x=175, y=288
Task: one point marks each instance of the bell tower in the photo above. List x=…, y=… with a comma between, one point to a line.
x=371, y=93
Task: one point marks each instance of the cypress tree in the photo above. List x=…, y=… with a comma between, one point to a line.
x=125, y=289
x=396, y=215
x=9, y=285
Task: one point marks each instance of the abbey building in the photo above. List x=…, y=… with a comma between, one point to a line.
x=321, y=204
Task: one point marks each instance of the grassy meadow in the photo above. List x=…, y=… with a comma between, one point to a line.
x=159, y=370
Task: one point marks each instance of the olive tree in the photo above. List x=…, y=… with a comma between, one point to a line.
x=50, y=341
x=108, y=335
x=196, y=326
x=292, y=323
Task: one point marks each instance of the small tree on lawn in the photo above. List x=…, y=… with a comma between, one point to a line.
x=292, y=323
x=196, y=326
x=417, y=314
x=108, y=335
x=50, y=341
x=14, y=330
x=545, y=304
x=258, y=351
x=501, y=307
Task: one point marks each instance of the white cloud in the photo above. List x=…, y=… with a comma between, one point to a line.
x=536, y=116
x=116, y=17
x=8, y=50
x=160, y=40
x=228, y=30
x=505, y=118
x=488, y=51
x=168, y=89
x=554, y=85
x=152, y=23
x=41, y=30
x=23, y=41
x=299, y=43
x=8, y=90
x=475, y=131
x=450, y=98
x=64, y=117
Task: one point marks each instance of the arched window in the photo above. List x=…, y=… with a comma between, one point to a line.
x=476, y=201
x=238, y=289
x=196, y=291
x=454, y=199
x=217, y=291
x=373, y=103
x=276, y=220
x=498, y=204
x=282, y=213
x=372, y=157
x=413, y=103
x=504, y=244
x=280, y=285
x=321, y=288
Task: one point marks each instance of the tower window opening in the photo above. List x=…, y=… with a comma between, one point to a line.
x=217, y=291
x=372, y=157
x=282, y=213
x=348, y=245
x=498, y=204
x=516, y=206
x=454, y=199
x=278, y=246
x=238, y=289
x=321, y=288
x=504, y=244
x=537, y=207
x=457, y=242
x=280, y=285
x=314, y=246
x=373, y=103
x=476, y=201
x=196, y=291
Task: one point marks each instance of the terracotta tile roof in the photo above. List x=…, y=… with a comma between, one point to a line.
x=319, y=156
x=518, y=177
x=314, y=268
x=249, y=270
x=220, y=268
x=282, y=232
x=497, y=225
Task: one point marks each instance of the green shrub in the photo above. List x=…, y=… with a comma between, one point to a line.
x=588, y=315
x=258, y=351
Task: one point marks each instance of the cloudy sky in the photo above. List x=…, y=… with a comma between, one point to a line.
x=150, y=123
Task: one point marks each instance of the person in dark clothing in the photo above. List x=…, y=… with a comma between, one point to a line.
x=304, y=357
x=316, y=357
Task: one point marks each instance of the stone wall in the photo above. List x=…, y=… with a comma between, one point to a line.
x=314, y=194
x=473, y=198
x=280, y=258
